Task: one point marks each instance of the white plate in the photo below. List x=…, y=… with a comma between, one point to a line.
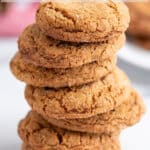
x=135, y=55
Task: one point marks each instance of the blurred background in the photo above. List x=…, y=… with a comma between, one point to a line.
x=133, y=58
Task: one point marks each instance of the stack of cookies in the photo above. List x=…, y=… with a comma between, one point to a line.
x=139, y=27
x=80, y=99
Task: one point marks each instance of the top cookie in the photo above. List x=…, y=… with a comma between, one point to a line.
x=139, y=11
x=83, y=21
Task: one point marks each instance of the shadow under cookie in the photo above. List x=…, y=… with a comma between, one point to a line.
x=56, y=78
x=40, y=135
x=112, y=122
x=83, y=101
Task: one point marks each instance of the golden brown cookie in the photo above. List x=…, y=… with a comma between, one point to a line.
x=56, y=78
x=44, y=51
x=112, y=122
x=80, y=102
x=26, y=147
x=140, y=19
x=41, y=135
x=83, y=21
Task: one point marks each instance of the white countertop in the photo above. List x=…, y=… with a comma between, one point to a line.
x=13, y=106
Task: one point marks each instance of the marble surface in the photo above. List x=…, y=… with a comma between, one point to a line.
x=13, y=106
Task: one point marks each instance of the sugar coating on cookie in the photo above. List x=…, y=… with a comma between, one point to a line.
x=83, y=21
x=39, y=134
x=83, y=101
x=44, y=51
x=56, y=78
x=112, y=122
x=140, y=19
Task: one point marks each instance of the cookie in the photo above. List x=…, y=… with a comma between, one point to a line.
x=83, y=21
x=143, y=42
x=56, y=78
x=112, y=122
x=140, y=19
x=2, y=7
x=39, y=134
x=26, y=147
x=115, y=146
x=44, y=51
x=80, y=102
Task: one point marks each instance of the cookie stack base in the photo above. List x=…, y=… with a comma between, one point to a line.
x=40, y=135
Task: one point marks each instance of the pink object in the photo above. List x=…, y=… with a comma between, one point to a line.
x=16, y=18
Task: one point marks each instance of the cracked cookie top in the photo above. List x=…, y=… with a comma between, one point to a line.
x=83, y=21
x=82, y=101
x=111, y=122
x=56, y=78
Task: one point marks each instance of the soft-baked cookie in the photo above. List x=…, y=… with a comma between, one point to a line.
x=83, y=21
x=44, y=51
x=41, y=135
x=56, y=78
x=26, y=147
x=80, y=102
x=112, y=122
x=140, y=19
